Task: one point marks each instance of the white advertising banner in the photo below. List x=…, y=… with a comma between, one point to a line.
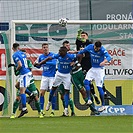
x=120, y=67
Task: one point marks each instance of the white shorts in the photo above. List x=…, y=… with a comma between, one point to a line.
x=25, y=79
x=46, y=83
x=61, y=78
x=96, y=74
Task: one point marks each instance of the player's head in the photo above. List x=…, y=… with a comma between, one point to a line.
x=97, y=46
x=66, y=44
x=45, y=48
x=63, y=51
x=15, y=47
x=84, y=35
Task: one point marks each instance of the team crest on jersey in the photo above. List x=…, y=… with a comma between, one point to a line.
x=16, y=58
x=42, y=58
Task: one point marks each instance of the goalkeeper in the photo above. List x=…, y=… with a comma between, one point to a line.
x=81, y=42
x=31, y=91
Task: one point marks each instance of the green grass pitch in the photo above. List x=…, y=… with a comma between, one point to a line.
x=77, y=124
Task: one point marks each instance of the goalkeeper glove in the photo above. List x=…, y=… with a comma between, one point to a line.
x=79, y=33
x=83, y=40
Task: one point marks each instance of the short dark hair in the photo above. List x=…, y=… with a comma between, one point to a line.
x=83, y=32
x=15, y=45
x=63, y=47
x=65, y=42
x=44, y=44
x=98, y=44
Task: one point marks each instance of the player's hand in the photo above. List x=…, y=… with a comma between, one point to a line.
x=10, y=65
x=81, y=48
x=36, y=64
x=102, y=63
x=72, y=63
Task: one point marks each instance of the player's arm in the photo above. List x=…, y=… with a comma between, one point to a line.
x=103, y=62
x=79, y=57
x=16, y=69
x=107, y=58
x=19, y=65
x=36, y=63
x=78, y=39
x=77, y=44
x=72, y=51
x=84, y=50
x=81, y=53
x=43, y=61
x=52, y=62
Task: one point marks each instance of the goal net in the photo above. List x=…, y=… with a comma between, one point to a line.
x=116, y=37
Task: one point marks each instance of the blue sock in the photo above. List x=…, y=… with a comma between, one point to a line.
x=42, y=102
x=23, y=100
x=53, y=102
x=51, y=95
x=88, y=89
x=101, y=92
x=27, y=92
x=66, y=98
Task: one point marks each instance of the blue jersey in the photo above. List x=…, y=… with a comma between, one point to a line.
x=20, y=56
x=96, y=57
x=49, y=69
x=64, y=62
